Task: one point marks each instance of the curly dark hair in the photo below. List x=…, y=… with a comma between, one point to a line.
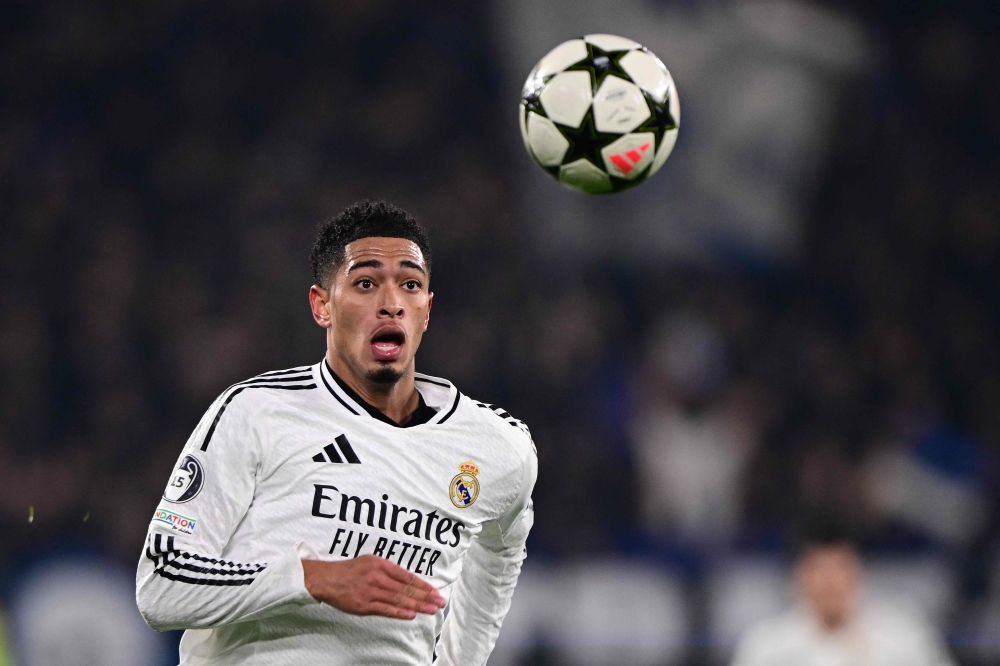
x=363, y=219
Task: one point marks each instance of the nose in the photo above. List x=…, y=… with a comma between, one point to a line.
x=392, y=306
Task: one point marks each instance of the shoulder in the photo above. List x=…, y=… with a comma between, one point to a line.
x=897, y=624
x=252, y=398
x=500, y=421
x=271, y=385
x=291, y=379
x=497, y=417
x=513, y=452
x=777, y=633
x=906, y=635
x=444, y=396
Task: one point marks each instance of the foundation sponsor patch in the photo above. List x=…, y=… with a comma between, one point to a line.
x=177, y=522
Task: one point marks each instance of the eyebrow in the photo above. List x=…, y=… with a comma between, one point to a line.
x=368, y=263
x=375, y=263
x=412, y=264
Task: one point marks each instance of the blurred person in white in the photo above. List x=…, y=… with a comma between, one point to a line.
x=693, y=433
x=833, y=624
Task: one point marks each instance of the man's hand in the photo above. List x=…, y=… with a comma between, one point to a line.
x=370, y=585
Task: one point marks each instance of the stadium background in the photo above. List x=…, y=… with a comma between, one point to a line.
x=798, y=314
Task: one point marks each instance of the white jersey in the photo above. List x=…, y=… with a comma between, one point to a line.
x=879, y=636
x=291, y=465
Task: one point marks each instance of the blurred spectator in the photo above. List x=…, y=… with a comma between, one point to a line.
x=834, y=625
x=693, y=434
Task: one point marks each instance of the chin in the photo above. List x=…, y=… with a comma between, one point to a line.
x=384, y=375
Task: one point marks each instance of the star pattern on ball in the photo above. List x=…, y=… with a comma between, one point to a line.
x=601, y=64
x=661, y=119
x=586, y=141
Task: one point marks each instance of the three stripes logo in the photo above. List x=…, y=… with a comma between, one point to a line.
x=634, y=156
x=334, y=456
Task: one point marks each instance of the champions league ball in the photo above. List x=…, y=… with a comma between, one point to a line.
x=600, y=113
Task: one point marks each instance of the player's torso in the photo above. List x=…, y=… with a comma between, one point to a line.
x=349, y=485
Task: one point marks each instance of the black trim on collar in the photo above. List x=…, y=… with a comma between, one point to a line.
x=431, y=381
x=458, y=396
x=334, y=393
x=420, y=416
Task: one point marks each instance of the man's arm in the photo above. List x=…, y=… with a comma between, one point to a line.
x=182, y=581
x=489, y=573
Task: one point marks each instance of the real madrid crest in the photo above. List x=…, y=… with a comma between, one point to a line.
x=465, y=486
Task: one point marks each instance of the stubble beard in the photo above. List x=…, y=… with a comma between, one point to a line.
x=384, y=377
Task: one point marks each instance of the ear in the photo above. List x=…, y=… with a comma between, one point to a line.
x=319, y=301
x=430, y=304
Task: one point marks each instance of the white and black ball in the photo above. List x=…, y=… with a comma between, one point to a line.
x=600, y=113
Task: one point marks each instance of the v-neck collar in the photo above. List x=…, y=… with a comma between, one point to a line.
x=424, y=414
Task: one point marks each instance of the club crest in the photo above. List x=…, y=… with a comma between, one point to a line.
x=465, y=486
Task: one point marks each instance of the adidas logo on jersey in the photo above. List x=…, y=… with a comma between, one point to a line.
x=334, y=456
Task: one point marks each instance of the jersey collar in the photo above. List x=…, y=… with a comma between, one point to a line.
x=435, y=394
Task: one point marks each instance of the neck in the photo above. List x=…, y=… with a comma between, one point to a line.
x=398, y=401
x=834, y=623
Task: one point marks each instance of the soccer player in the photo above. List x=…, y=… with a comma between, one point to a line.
x=833, y=625
x=330, y=514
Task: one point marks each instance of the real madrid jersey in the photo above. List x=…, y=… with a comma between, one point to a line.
x=290, y=465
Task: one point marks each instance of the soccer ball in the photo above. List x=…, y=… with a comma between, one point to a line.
x=600, y=113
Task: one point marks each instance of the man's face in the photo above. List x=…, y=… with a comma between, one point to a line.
x=829, y=581
x=377, y=307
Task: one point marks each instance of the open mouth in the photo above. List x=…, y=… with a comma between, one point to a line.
x=387, y=345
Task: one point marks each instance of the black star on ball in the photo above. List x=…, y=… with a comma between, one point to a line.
x=585, y=141
x=661, y=119
x=601, y=64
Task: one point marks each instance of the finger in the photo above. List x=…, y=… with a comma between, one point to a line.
x=400, y=574
x=385, y=609
x=410, y=579
x=400, y=600
x=428, y=594
x=411, y=605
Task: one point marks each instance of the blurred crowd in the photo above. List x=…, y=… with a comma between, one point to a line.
x=163, y=168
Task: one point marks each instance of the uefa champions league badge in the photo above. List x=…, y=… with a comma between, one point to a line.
x=465, y=486
x=186, y=481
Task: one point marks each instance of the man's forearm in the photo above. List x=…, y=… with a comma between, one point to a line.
x=479, y=604
x=177, y=588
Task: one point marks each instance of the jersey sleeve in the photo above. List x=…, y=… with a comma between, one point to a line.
x=484, y=589
x=182, y=581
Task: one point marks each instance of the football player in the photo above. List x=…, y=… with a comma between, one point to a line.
x=329, y=514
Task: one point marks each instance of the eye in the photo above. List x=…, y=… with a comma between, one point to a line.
x=412, y=285
x=365, y=283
